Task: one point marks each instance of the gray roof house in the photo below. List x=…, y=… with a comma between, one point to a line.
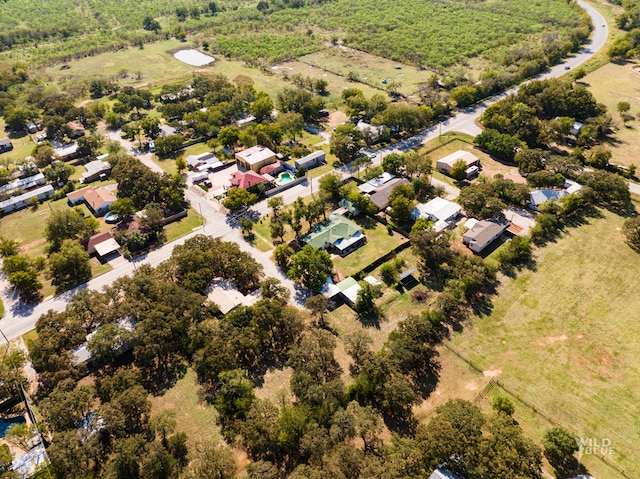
x=381, y=197
x=5, y=145
x=24, y=200
x=483, y=233
x=311, y=160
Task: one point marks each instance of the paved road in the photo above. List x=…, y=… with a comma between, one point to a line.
x=21, y=318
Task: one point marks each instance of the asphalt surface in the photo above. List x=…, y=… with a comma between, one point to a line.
x=20, y=318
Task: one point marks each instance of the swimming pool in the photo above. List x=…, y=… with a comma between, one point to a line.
x=7, y=423
x=284, y=178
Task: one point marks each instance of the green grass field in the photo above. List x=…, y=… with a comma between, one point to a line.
x=379, y=242
x=562, y=338
x=183, y=226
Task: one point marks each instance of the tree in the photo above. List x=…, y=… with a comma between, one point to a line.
x=459, y=170
x=623, y=106
x=291, y=123
x=631, y=230
x=43, y=154
x=346, y=142
x=311, y=267
x=149, y=23
x=393, y=163
x=503, y=404
x=27, y=284
x=464, y=96
x=107, y=342
x=318, y=305
x=282, y=255
x=262, y=107
x=123, y=207
x=599, y=158
x=150, y=126
x=401, y=208
x=88, y=145
x=239, y=199
x=330, y=186
x=271, y=288
x=19, y=435
x=59, y=173
x=229, y=136
x=207, y=459
x=515, y=252
x=559, y=446
x=365, y=304
x=8, y=247
x=70, y=266
x=68, y=224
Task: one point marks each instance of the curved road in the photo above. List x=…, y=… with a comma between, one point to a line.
x=21, y=318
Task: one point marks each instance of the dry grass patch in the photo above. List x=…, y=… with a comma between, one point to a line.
x=611, y=84
x=194, y=416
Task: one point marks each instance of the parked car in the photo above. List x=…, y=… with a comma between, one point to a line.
x=152, y=146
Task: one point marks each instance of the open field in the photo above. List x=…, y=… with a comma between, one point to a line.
x=370, y=69
x=561, y=339
x=611, y=84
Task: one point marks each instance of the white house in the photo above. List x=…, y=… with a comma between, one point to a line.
x=442, y=212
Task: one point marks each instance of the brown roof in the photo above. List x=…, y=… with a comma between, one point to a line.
x=97, y=197
x=75, y=125
x=381, y=197
x=77, y=194
x=270, y=168
x=98, y=238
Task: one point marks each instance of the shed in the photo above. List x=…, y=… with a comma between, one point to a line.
x=349, y=289
x=102, y=244
x=5, y=145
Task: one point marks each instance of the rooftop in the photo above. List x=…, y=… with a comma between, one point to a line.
x=466, y=156
x=336, y=230
x=246, y=179
x=255, y=154
x=437, y=209
x=381, y=197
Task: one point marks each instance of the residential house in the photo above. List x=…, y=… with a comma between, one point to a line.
x=272, y=169
x=310, y=161
x=203, y=161
x=381, y=197
x=576, y=128
x=338, y=235
x=247, y=179
x=483, y=233
x=67, y=152
x=22, y=201
x=5, y=145
x=540, y=196
x=77, y=129
x=102, y=244
x=96, y=170
x=97, y=199
x=166, y=130
x=445, y=164
x=371, y=133
x=347, y=290
x=441, y=473
x=375, y=183
x=255, y=158
x=27, y=183
x=442, y=212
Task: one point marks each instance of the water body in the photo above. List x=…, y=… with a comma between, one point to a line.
x=193, y=57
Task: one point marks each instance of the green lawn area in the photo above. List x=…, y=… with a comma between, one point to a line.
x=379, y=242
x=169, y=164
x=194, y=416
x=22, y=146
x=1, y=309
x=562, y=339
x=183, y=226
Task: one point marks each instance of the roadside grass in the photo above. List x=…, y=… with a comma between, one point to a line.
x=183, y=226
x=194, y=416
x=1, y=308
x=611, y=84
x=370, y=70
x=561, y=339
x=379, y=242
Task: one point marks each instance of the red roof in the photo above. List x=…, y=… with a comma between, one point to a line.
x=98, y=238
x=247, y=179
x=270, y=168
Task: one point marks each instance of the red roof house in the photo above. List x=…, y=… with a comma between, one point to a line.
x=246, y=179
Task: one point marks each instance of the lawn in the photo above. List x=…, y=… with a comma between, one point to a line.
x=611, y=84
x=183, y=226
x=194, y=416
x=561, y=339
x=379, y=242
x=22, y=146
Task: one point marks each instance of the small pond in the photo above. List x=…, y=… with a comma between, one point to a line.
x=7, y=423
x=193, y=57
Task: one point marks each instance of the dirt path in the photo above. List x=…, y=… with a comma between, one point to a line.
x=33, y=244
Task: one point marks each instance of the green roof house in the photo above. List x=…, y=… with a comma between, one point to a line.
x=338, y=234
